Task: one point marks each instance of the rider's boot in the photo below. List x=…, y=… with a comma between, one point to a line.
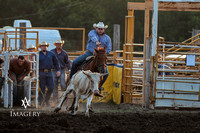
x=96, y=93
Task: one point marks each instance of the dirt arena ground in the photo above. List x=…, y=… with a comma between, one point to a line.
x=107, y=118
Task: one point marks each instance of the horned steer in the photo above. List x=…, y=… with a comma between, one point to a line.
x=84, y=83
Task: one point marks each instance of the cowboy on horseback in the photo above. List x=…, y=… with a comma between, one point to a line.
x=97, y=38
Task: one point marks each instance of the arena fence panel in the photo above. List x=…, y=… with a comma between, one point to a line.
x=176, y=80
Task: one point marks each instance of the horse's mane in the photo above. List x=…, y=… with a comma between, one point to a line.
x=101, y=49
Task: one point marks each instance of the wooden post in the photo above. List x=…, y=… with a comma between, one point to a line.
x=148, y=72
x=115, y=57
x=116, y=37
x=129, y=27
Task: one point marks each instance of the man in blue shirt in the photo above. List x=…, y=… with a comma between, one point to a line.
x=47, y=62
x=64, y=63
x=97, y=38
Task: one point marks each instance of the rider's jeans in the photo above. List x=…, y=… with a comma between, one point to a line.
x=79, y=60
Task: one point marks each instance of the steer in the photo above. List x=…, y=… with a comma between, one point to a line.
x=84, y=83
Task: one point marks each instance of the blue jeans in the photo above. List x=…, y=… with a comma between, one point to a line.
x=78, y=61
x=45, y=81
x=62, y=83
x=18, y=91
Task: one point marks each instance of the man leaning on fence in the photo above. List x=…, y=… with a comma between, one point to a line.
x=19, y=68
x=47, y=62
x=64, y=63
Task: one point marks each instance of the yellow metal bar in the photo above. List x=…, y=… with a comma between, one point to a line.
x=5, y=42
x=115, y=57
x=130, y=27
x=165, y=6
x=57, y=28
x=141, y=53
x=125, y=40
x=15, y=38
x=37, y=42
x=20, y=38
x=133, y=77
x=133, y=85
x=51, y=28
x=138, y=69
x=134, y=44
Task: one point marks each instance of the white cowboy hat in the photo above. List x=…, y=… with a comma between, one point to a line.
x=100, y=25
x=59, y=41
x=30, y=46
x=44, y=44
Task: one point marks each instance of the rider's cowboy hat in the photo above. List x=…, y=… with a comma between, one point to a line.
x=59, y=41
x=30, y=46
x=100, y=25
x=44, y=44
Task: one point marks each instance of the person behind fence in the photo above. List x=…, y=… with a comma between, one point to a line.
x=31, y=48
x=18, y=69
x=1, y=78
x=64, y=63
x=97, y=38
x=47, y=62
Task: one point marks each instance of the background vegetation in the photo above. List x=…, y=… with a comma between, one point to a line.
x=174, y=26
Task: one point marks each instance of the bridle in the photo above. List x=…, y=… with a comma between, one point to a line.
x=102, y=65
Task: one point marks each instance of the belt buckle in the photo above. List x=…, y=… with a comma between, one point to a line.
x=46, y=70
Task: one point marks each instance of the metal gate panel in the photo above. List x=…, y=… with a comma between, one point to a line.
x=133, y=77
x=176, y=83
x=176, y=94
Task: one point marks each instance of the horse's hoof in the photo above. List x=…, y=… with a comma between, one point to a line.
x=56, y=110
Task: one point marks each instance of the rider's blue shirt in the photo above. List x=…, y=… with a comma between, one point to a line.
x=104, y=40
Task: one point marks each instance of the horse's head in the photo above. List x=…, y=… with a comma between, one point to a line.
x=101, y=59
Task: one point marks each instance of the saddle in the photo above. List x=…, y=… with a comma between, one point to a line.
x=86, y=62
